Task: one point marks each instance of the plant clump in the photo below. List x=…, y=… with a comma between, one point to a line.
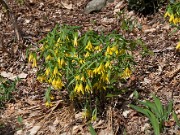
x=173, y=12
x=86, y=65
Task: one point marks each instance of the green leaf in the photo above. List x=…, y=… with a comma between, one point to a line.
x=154, y=122
x=91, y=130
x=19, y=119
x=139, y=109
x=168, y=111
x=152, y=107
x=158, y=105
x=176, y=119
x=136, y=94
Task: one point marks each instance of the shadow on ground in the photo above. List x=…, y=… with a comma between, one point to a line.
x=6, y=129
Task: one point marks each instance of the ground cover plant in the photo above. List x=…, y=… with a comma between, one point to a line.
x=6, y=89
x=156, y=112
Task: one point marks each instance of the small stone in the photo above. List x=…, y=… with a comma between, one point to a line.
x=95, y=5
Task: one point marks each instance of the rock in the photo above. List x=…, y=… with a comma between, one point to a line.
x=95, y=5
x=110, y=1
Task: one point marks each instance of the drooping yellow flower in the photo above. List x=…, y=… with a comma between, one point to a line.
x=50, y=80
x=87, y=88
x=99, y=70
x=34, y=64
x=166, y=14
x=75, y=41
x=81, y=61
x=108, y=64
x=87, y=55
x=42, y=48
x=51, y=97
x=55, y=71
x=47, y=72
x=126, y=73
x=48, y=104
x=86, y=114
x=30, y=57
x=41, y=78
x=89, y=46
x=90, y=73
x=178, y=46
x=58, y=43
x=57, y=83
x=83, y=78
x=77, y=77
x=108, y=51
x=171, y=18
x=105, y=78
x=79, y=88
x=98, y=48
x=60, y=62
x=48, y=58
x=175, y=21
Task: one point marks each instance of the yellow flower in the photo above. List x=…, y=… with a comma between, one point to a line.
x=99, y=70
x=108, y=51
x=55, y=70
x=166, y=14
x=75, y=41
x=108, y=64
x=81, y=61
x=171, y=18
x=126, y=74
x=57, y=84
x=89, y=46
x=67, y=38
x=98, y=48
x=48, y=104
x=176, y=20
x=105, y=78
x=90, y=73
x=42, y=48
x=79, y=88
x=50, y=80
x=77, y=77
x=60, y=62
x=114, y=48
x=87, y=55
x=34, y=63
x=86, y=113
x=83, y=78
x=41, y=78
x=178, y=46
x=30, y=57
x=47, y=72
x=94, y=117
x=87, y=88
x=51, y=97
x=48, y=58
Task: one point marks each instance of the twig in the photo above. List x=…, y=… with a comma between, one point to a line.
x=13, y=20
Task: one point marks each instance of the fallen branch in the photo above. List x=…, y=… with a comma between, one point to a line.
x=13, y=19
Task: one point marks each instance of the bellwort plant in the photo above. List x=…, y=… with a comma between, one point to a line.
x=86, y=66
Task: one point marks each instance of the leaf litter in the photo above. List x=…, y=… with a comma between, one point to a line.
x=158, y=73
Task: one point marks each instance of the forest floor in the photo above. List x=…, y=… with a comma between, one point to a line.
x=157, y=73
